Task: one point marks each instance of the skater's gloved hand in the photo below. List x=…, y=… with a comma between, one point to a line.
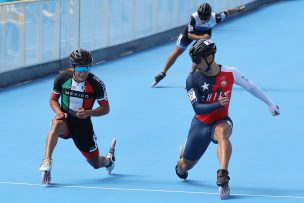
x=274, y=109
x=160, y=76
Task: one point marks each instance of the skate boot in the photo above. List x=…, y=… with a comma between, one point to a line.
x=181, y=174
x=223, y=183
x=46, y=168
x=111, y=156
x=158, y=78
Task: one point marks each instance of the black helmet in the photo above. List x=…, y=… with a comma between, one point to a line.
x=204, y=11
x=202, y=49
x=80, y=57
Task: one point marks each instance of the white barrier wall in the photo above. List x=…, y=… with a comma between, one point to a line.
x=37, y=32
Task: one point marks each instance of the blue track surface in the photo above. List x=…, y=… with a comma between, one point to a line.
x=150, y=125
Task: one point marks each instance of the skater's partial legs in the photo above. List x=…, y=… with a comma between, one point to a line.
x=58, y=128
x=222, y=133
x=97, y=161
x=177, y=51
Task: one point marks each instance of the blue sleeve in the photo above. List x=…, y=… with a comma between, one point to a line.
x=194, y=95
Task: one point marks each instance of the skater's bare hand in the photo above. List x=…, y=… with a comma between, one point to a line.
x=61, y=116
x=224, y=100
x=82, y=113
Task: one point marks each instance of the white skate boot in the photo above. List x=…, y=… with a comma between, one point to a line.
x=46, y=168
x=111, y=156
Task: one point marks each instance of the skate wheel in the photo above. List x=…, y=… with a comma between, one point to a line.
x=46, y=177
x=224, y=192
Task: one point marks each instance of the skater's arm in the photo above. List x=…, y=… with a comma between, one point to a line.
x=56, y=107
x=102, y=99
x=56, y=94
x=194, y=96
x=200, y=108
x=242, y=81
x=99, y=111
x=219, y=17
x=191, y=35
x=232, y=11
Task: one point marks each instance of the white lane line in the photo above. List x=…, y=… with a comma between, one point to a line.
x=151, y=190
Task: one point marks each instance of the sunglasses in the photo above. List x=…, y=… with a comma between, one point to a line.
x=196, y=59
x=83, y=69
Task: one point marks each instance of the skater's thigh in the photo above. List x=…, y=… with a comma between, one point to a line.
x=198, y=140
x=59, y=127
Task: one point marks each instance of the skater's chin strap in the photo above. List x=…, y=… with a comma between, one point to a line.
x=209, y=64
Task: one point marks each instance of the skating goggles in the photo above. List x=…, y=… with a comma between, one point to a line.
x=83, y=69
x=196, y=59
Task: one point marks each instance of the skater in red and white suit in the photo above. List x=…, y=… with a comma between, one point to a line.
x=209, y=90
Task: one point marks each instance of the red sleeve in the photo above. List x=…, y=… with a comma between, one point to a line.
x=55, y=96
x=103, y=102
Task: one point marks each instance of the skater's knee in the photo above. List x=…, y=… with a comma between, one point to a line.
x=58, y=126
x=222, y=132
